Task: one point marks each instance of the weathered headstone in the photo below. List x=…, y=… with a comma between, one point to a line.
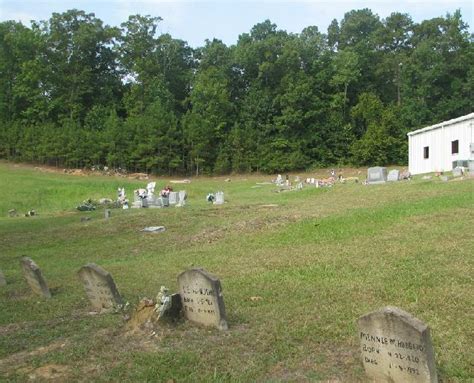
x=471, y=168
x=376, y=175
x=182, y=196
x=173, y=198
x=201, y=296
x=396, y=347
x=100, y=287
x=457, y=171
x=3, y=281
x=34, y=277
x=107, y=213
x=393, y=175
x=219, y=198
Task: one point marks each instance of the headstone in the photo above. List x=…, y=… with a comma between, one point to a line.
x=34, y=277
x=100, y=287
x=173, y=198
x=396, y=347
x=471, y=168
x=182, y=197
x=457, y=171
x=393, y=175
x=219, y=198
x=201, y=296
x=3, y=281
x=444, y=178
x=107, y=213
x=376, y=175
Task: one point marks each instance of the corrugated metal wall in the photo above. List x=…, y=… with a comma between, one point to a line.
x=439, y=142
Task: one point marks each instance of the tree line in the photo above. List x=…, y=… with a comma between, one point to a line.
x=75, y=92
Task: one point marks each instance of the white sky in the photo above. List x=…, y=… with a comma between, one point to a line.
x=196, y=20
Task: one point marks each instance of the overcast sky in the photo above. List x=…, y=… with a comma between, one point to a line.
x=197, y=20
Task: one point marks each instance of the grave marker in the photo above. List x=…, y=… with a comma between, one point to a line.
x=3, y=281
x=182, y=196
x=396, y=347
x=100, y=287
x=376, y=175
x=201, y=296
x=173, y=198
x=107, y=213
x=219, y=198
x=34, y=277
x=393, y=175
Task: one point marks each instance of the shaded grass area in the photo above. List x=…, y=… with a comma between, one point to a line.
x=317, y=262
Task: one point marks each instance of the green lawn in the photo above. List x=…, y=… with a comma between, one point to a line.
x=318, y=261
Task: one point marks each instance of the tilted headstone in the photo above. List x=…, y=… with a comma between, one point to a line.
x=393, y=175
x=3, y=281
x=100, y=287
x=173, y=198
x=201, y=296
x=396, y=347
x=376, y=175
x=34, y=277
x=219, y=198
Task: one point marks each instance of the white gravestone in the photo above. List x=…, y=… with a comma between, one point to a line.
x=173, y=198
x=202, y=299
x=182, y=197
x=100, y=288
x=393, y=175
x=396, y=347
x=376, y=175
x=219, y=198
x=34, y=277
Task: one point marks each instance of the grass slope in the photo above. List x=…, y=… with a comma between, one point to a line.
x=318, y=261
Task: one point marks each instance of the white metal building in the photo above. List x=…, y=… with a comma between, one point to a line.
x=435, y=147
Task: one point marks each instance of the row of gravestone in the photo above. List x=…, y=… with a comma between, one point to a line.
x=395, y=346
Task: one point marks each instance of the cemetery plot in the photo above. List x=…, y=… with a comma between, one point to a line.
x=34, y=277
x=100, y=288
x=396, y=347
x=201, y=297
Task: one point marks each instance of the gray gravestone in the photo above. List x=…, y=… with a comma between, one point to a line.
x=471, y=168
x=100, y=287
x=396, y=347
x=393, y=175
x=107, y=213
x=201, y=296
x=173, y=198
x=376, y=175
x=34, y=277
x=3, y=281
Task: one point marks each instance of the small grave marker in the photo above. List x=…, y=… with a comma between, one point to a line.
x=100, y=287
x=34, y=277
x=107, y=213
x=396, y=347
x=201, y=296
x=3, y=281
x=457, y=171
x=376, y=175
x=219, y=198
x=393, y=175
x=173, y=198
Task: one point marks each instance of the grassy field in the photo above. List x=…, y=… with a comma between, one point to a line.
x=316, y=262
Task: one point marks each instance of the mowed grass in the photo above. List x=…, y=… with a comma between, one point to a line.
x=295, y=277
